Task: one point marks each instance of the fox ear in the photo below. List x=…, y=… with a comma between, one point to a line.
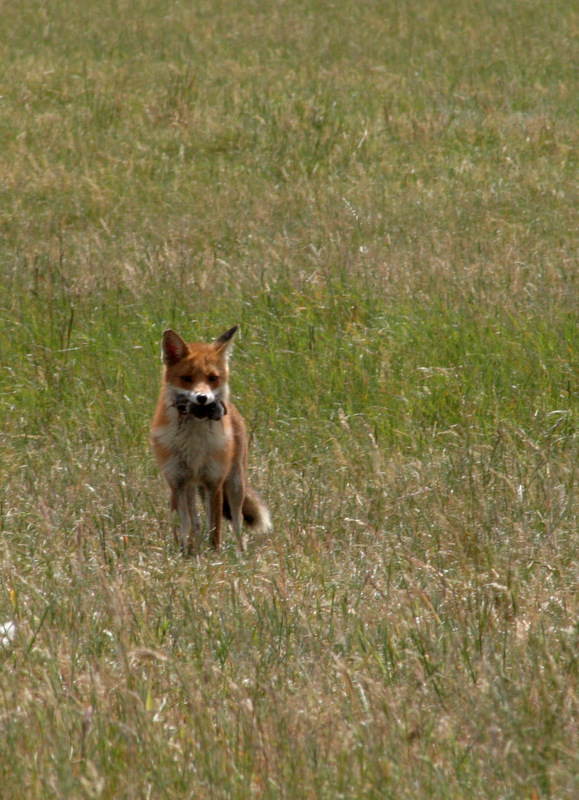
x=174, y=348
x=223, y=344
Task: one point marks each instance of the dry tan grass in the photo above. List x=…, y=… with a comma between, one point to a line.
x=385, y=200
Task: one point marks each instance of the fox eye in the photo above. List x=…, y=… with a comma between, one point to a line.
x=186, y=378
x=213, y=378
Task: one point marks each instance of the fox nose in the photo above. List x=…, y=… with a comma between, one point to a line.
x=201, y=399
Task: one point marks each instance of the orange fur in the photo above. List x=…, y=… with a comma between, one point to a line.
x=203, y=456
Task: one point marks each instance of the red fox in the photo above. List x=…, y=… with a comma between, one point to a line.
x=200, y=442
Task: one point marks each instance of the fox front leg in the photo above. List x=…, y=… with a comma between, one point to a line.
x=183, y=501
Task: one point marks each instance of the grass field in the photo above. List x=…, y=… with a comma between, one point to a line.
x=384, y=196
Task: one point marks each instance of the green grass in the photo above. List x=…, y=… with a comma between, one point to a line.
x=384, y=196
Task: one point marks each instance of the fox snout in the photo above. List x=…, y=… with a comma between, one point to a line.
x=208, y=409
x=202, y=398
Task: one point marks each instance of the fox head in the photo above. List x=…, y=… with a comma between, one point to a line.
x=200, y=371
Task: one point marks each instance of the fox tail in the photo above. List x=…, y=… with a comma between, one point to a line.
x=254, y=510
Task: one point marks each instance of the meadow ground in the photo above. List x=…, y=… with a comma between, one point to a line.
x=384, y=196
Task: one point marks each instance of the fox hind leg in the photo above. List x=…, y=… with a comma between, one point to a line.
x=234, y=497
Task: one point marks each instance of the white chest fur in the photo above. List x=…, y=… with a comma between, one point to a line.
x=196, y=448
